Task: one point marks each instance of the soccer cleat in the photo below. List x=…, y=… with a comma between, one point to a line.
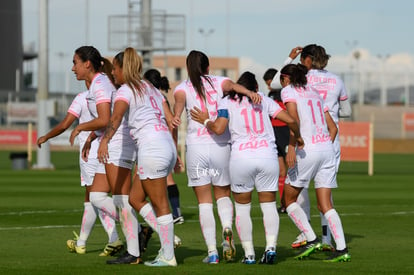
x=269, y=256
x=300, y=241
x=211, y=259
x=179, y=220
x=229, y=250
x=308, y=249
x=339, y=256
x=112, y=248
x=177, y=241
x=125, y=258
x=327, y=247
x=71, y=244
x=161, y=261
x=281, y=210
x=249, y=260
x=144, y=236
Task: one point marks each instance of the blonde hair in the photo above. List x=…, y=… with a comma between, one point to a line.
x=131, y=65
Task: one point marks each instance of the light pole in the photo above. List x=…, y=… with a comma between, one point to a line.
x=205, y=34
x=383, y=90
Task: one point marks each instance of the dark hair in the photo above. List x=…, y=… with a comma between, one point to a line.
x=309, y=51
x=99, y=63
x=275, y=94
x=197, y=68
x=269, y=74
x=247, y=80
x=321, y=58
x=90, y=53
x=159, y=82
x=296, y=73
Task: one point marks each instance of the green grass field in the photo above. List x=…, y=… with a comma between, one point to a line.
x=40, y=209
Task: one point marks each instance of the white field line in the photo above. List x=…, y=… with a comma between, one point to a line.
x=22, y=213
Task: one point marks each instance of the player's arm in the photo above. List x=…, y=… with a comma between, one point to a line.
x=333, y=130
x=275, y=84
x=58, y=129
x=292, y=124
x=345, y=109
x=179, y=98
x=229, y=86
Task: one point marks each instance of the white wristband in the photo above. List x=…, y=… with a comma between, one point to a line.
x=206, y=121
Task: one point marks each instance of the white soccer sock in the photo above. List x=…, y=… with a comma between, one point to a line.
x=166, y=234
x=109, y=225
x=298, y=216
x=147, y=212
x=335, y=226
x=225, y=212
x=303, y=201
x=129, y=223
x=208, y=226
x=244, y=227
x=104, y=203
x=88, y=221
x=271, y=223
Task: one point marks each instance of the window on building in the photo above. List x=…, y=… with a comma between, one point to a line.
x=177, y=74
x=224, y=72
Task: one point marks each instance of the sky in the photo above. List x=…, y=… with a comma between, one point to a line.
x=259, y=32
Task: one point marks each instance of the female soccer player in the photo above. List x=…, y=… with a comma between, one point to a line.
x=88, y=65
x=316, y=160
x=142, y=104
x=252, y=160
x=162, y=84
x=208, y=154
x=79, y=110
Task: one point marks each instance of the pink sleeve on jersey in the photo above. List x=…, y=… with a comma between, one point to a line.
x=289, y=100
x=342, y=98
x=276, y=113
x=74, y=113
x=119, y=98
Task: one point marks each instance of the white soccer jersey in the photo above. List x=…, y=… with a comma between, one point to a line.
x=330, y=87
x=100, y=91
x=250, y=127
x=146, y=119
x=122, y=137
x=197, y=133
x=310, y=108
x=79, y=108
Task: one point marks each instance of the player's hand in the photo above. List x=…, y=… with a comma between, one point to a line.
x=73, y=135
x=176, y=121
x=295, y=52
x=255, y=97
x=198, y=115
x=291, y=156
x=103, y=155
x=300, y=143
x=41, y=140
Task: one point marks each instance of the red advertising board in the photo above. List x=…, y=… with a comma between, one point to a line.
x=16, y=137
x=357, y=142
